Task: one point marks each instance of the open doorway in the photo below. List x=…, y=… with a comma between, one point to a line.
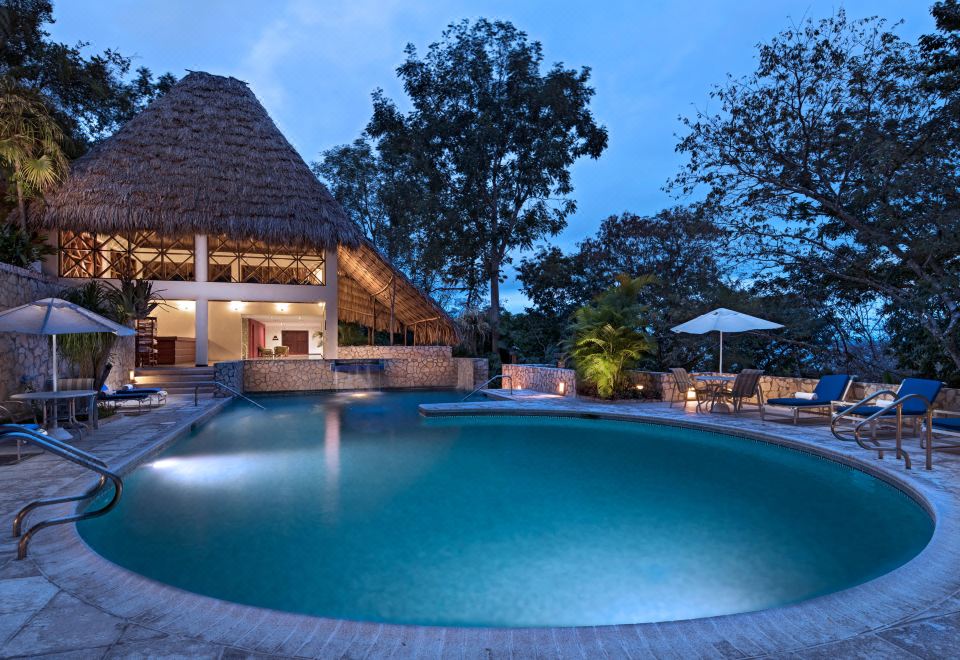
x=284, y=336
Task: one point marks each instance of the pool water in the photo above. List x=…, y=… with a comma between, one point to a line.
x=353, y=506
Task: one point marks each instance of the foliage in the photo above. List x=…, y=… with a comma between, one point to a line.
x=475, y=330
x=350, y=334
x=30, y=145
x=132, y=299
x=382, y=195
x=489, y=142
x=89, y=351
x=834, y=164
x=90, y=96
x=609, y=335
x=22, y=248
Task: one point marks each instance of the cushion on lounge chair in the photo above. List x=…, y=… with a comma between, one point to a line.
x=142, y=390
x=929, y=389
x=947, y=423
x=798, y=403
x=122, y=396
x=832, y=387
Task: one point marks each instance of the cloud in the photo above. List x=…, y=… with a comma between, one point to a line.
x=322, y=39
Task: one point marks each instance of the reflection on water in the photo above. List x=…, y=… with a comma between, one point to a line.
x=331, y=462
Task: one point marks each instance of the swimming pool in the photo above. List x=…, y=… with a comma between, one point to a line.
x=352, y=506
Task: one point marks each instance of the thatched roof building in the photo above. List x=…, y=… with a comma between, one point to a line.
x=206, y=158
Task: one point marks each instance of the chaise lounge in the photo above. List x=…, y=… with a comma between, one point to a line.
x=828, y=389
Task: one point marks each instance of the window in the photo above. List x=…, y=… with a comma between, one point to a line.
x=259, y=263
x=139, y=254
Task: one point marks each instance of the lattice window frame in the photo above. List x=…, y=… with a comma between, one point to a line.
x=139, y=254
x=257, y=262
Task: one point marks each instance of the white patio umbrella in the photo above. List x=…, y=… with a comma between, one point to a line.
x=724, y=320
x=53, y=316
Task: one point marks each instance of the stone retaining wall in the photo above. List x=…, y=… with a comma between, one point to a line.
x=26, y=358
x=541, y=379
x=786, y=386
x=398, y=352
x=298, y=375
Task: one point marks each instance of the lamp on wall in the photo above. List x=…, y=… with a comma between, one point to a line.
x=276, y=338
x=561, y=387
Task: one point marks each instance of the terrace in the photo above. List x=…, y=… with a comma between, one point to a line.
x=66, y=598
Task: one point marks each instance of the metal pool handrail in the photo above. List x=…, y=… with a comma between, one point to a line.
x=898, y=404
x=74, y=455
x=234, y=392
x=487, y=382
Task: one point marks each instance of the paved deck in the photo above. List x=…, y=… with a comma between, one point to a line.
x=65, y=599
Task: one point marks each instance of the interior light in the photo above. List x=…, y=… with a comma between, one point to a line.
x=281, y=307
x=236, y=305
x=185, y=305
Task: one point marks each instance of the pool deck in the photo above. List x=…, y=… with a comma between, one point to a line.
x=67, y=601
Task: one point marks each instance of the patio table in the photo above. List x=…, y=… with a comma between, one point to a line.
x=70, y=396
x=718, y=381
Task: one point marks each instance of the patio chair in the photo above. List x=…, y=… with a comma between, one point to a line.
x=22, y=414
x=919, y=393
x=264, y=352
x=913, y=401
x=117, y=398
x=828, y=389
x=945, y=423
x=281, y=351
x=684, y=383
x=746, y=386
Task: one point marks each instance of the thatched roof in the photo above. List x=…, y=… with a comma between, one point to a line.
x=203, y=158
x=366, y=282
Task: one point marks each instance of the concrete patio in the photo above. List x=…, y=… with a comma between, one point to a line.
x=65, y=600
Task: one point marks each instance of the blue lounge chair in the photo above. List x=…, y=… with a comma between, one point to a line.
x=913, y=401
x=944, y=423
x=922, y=390
x=19, y=410
x=828, y=389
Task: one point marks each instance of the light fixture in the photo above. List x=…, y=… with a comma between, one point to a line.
x=133, y=375
x=236, y=305
x=276, y=338
x=639, y=387
x=561, y=387
x=185, y=305
x=691, y=394
x=281, y=307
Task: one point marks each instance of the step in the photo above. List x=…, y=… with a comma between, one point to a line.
x=192, y=378
x=172, y=371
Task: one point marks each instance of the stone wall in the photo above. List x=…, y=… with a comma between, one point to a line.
x=297, y=375
x=398, y=352
x=786, y=386
x=541, y=379
x=26, y=358
x=230, y=374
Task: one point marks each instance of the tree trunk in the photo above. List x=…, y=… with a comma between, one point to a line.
x=22, y=207
x=495, y=308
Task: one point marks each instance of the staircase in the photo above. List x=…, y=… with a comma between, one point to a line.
x=177, y=380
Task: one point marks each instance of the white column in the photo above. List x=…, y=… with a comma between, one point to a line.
x=330, y=308
x=200, y=258
x=200, y=319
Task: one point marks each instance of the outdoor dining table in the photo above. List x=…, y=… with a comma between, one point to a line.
x=719, y=381
x=70, y=396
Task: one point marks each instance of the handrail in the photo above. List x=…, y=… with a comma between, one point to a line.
x=233, y=391
x=884, y=412
x=76, y=456
x=487, y=382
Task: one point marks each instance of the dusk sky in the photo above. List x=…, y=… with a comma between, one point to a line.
x=314, y=64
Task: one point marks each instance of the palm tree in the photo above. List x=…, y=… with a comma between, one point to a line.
x=609, y=335
x=30, y=144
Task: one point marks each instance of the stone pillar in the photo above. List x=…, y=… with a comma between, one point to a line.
x=200, y=258
x=330, y=306
x=200, y=319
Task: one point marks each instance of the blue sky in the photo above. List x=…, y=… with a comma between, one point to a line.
x=313, y=64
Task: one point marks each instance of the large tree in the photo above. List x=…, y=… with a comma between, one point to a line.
x=491, y=138
x=90, y=95
x=835, y=164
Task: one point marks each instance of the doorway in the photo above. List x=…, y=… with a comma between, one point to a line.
x=297, y=340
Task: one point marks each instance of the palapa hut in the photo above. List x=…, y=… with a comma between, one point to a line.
x=202, y=194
